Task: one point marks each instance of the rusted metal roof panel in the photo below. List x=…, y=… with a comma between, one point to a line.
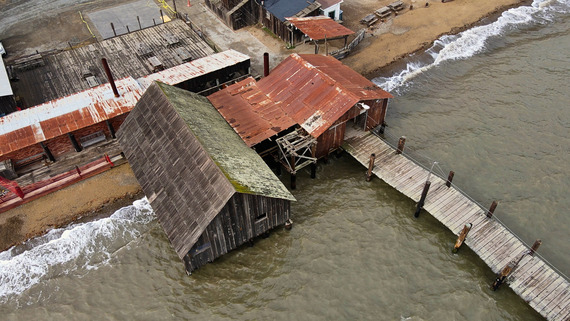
x=195, y=68
x=309, y=90
x=320, y=27
x=67, y=114
x=250, y=112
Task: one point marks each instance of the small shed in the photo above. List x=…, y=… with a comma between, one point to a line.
x=210, y=192
x=274, y=13
x=321, y=28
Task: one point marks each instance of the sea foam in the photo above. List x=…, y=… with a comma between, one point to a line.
x=468, y=43
x=79, y=247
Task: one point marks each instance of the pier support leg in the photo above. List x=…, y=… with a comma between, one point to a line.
x=401, y=144
x=449, y=178
x=111, y=128
x=535, y=247
x=74, y=142
x=293, y=181
x=48, y=152
x=422, y=199
x=370, y=167
x=462, y=236
x=314, y=170
x=492, y=209
x=382, y=128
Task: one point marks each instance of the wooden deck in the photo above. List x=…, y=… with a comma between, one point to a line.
x=545, y=290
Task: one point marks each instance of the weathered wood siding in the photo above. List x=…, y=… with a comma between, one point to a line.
x=333, y=138
x=244, y=217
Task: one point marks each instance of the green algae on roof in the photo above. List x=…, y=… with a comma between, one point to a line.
x=241, y=165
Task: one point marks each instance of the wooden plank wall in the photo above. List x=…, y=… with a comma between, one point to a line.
x=244, y=217
x=545, y=290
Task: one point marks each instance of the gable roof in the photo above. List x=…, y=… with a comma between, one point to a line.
x=320, y=27
x=64, y=115
x=312, y=91
x=190, y=162
x=286, y=8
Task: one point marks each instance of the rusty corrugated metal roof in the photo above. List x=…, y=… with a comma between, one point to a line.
x=195, y=68
x=67, y=114
x=320, y=27
x=310, y=90
x=250, y=112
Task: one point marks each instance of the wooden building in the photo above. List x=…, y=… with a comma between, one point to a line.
x=42, y=134
x=210, y=191
x=306, y=99
x=331, y=9
x=45, y=77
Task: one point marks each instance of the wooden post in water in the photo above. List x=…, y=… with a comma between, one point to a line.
x=535, y=247
x=113, y=27
x=422, y=199
x=293, y=174
x=401, y=144
x=492, y=209
x=314, y=170
x=462, y=236
x=449, y=178
x=382, y=128
x=370, y=167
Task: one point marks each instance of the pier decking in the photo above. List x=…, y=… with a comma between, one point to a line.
x=544, y=289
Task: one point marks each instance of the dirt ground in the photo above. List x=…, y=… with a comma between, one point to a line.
x=102, y=193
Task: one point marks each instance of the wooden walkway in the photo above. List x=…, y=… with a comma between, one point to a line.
x=537, y=283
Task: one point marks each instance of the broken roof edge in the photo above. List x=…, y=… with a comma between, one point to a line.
x=241, y=165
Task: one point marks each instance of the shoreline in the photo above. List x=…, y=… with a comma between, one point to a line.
x=487, y=19
x=90, y=199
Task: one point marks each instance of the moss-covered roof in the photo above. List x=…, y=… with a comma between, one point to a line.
x=245, y=170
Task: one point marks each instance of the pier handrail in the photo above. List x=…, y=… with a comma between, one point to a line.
x=442, y=176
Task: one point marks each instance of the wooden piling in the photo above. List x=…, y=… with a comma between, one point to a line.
x=370, y=167
x=422, y=199
x=47, y=152
x=535, y=247
x=462, y=236
x=113, y=27
x=293, y=174
x=382, y=128
x=74, y=142
x=492, y=209
x=449, y=178
x=314, y=170
x=401, y=144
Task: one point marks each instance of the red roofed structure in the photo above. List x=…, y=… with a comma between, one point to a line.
x=320, y=27
x=316, y=93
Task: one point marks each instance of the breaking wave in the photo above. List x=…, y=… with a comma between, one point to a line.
x=76, y=248
x=470, y=42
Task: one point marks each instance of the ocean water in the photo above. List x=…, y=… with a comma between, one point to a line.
x=490, y=104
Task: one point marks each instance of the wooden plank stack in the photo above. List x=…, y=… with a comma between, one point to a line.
x=545, y=290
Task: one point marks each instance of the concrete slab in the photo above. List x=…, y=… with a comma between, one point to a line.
x=126, y=15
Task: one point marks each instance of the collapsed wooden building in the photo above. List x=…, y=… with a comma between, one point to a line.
x=210, y=191
x=299, y=112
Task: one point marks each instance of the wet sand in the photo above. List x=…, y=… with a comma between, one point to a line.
x=100, y=194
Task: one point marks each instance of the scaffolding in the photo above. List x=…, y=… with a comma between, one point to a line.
x=297, y=150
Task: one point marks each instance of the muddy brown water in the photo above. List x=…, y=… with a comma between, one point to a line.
x=498, y=118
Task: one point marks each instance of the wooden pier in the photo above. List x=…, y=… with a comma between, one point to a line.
x=544, y=289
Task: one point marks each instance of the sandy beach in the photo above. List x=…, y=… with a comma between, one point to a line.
x=386, y=42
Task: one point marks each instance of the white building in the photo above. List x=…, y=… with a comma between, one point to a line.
x=331, y=8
